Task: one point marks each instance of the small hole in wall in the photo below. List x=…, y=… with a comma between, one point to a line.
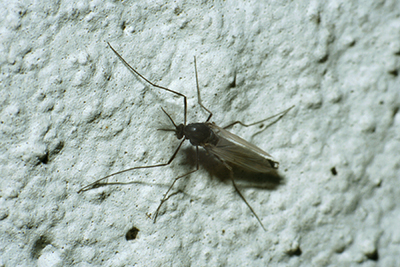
x=132, y=233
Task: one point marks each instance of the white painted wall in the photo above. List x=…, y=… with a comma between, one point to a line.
x=70, y=113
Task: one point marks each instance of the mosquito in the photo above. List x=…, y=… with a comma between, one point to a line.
x=230, y=149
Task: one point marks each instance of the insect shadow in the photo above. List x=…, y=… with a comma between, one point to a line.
x=230, y=149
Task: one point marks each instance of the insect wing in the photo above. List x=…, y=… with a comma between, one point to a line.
x=231, y=148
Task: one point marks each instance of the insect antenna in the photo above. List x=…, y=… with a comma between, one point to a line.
x=169, y=117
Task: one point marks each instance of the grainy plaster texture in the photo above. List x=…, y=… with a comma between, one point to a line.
x=71, y=113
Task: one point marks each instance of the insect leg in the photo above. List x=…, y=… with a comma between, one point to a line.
x=165, y=198
x=280, y=114
x=240, y=194
x=198, y=92
x=96, y=183
x=153, y=84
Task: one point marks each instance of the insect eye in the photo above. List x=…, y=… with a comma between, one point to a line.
x=179, y=131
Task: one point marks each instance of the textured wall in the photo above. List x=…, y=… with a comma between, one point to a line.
x=71, y=112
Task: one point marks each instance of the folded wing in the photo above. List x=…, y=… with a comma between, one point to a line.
x=233, y=149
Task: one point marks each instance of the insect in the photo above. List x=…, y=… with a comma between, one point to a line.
x=230, y=149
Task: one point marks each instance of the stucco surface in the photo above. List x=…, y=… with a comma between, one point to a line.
x=71, y=113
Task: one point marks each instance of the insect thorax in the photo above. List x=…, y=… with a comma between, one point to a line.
x=200, y=134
